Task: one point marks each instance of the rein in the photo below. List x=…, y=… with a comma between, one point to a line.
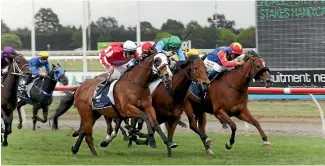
x=225, y=82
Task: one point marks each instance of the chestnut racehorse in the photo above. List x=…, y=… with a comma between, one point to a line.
x=169, y=103
x=228, y=96
x=131, y=96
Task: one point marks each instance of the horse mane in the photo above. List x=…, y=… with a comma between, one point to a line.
x=130, y=68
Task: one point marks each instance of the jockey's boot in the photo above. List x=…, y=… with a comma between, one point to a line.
x=212, y=74
x=22, y=92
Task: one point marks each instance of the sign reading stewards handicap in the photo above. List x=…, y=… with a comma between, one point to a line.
x=291, y=34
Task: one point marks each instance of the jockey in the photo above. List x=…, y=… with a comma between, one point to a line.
x=221, y=59
x=146, y=49
x=171, y=44
x=117, y=58
x=191, y=53
x=7, y=51
x=35, y=63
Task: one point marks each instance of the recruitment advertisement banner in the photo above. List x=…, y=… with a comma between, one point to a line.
x=296, y=79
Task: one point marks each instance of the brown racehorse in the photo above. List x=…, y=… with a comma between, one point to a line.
x=131, y=96
x=18, y=66
x=168, y=103
x=228, y=96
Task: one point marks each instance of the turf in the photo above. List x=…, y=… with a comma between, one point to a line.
x=54, y=147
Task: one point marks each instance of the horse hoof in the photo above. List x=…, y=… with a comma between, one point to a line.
x=75, y=134
x=4, y=144
x=209, y=152
x=104, y=144
x=19, y=126
x=172, y=145
x=129, y=145
x=73, y=150
x=152, y=144
x=267, y=144
x=228, y=146
x=208, y=141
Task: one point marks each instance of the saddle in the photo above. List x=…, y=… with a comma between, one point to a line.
x=100, y=99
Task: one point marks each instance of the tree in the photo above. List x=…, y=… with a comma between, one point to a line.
x=107, y=26
x=173, y=27
x=225, y=37
x=247, y=37
x=9, y=39
x=196, y=36
x=161, y=35
x=148, y=32
x=222, y=22
x=4, y=28
x=25, y=36
x=47, y=21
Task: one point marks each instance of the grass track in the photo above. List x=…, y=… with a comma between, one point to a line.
x=54, y=147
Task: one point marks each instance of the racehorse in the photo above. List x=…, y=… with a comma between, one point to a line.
x=130, y=96
x=228, y=96
x=168, y=103
x=17, y=66
x=41, y=90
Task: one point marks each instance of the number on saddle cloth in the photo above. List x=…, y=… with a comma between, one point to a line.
x=100, y=99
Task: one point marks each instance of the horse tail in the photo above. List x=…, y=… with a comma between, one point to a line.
x=66, y=103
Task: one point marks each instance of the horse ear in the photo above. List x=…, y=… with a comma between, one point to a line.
x=58, y=64
x=53, y=66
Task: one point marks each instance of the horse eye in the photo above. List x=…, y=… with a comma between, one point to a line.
x=258, y=66
x=56, y=72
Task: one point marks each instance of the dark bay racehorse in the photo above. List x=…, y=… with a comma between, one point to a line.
x=228, y=96
x=131, y=96
x=41, y=94
x=18, y=65
x=169, y=104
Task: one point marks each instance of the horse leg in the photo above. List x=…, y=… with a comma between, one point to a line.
x=247, y=116
x=76, y=133
x=139, y=128
x=150, y=111
x=110, y=135
x=88, y=128
x=8, y=122
x=19, y=105
x=223, y=116
x=35, y=117
x=123, y=131
x=193, y=126
x=132, y=136
x=202, y=120
x=171, y=126
x=45, y=114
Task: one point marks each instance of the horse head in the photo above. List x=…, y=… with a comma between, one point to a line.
x=58, y=74
x=199, y=73
x=255, y=68
x=20, y=65
x=161, y=68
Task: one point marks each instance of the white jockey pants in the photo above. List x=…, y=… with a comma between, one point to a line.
x=119, y=70
x=215, y=66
